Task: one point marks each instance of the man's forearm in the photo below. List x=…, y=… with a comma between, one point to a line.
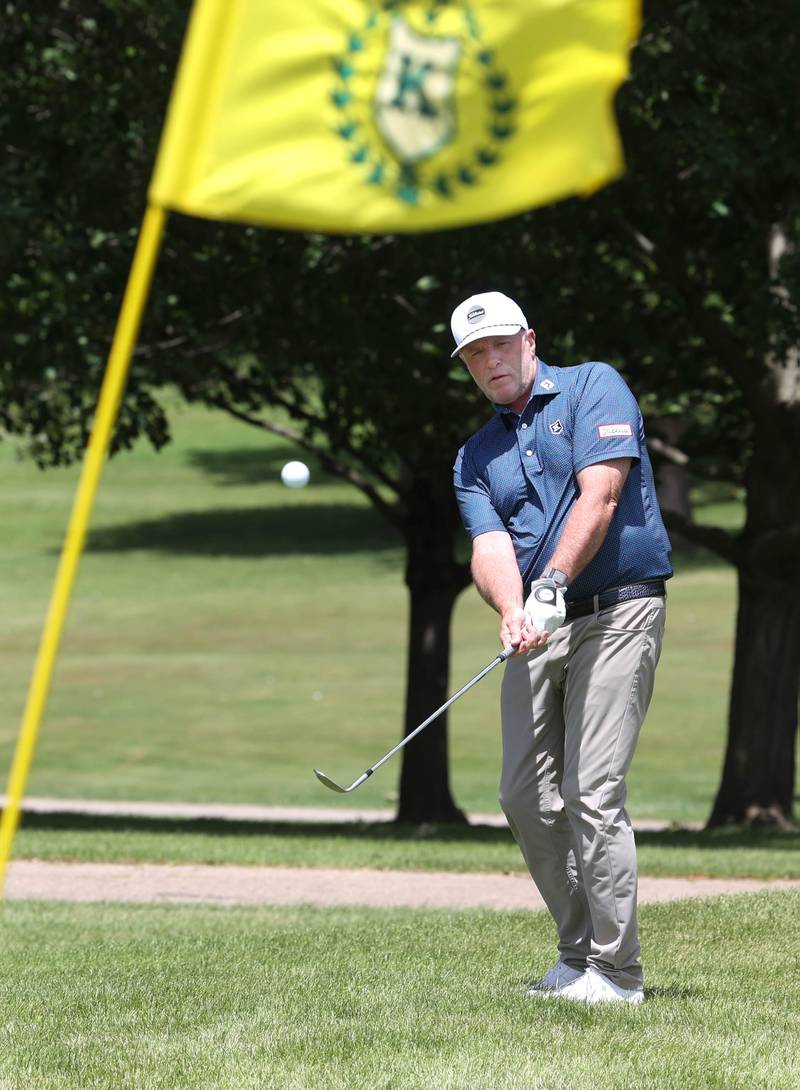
x=496, y=573
x=588, y=522
x=584, y=533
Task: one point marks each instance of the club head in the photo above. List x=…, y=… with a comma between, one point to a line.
x=328, y=782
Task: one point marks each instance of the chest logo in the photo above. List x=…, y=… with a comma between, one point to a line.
x=556, y=427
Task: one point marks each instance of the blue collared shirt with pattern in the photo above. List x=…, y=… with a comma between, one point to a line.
x=519, y=473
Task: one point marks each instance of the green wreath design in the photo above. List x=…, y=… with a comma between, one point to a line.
x=404, y=178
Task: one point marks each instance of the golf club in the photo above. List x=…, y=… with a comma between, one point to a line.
x=506, y=653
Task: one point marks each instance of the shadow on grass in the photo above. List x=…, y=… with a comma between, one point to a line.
x=245, y=466
x=321, y=529
x=674, y=991
x=713, y=839
x=720, y=840
x=285, y=830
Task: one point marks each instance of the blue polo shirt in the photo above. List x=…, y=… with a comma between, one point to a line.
x=518, y=473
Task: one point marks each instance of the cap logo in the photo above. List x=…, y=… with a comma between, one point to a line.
x=475, y=315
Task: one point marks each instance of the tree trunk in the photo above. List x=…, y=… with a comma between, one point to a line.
x=758, y=776
x=425, y=779
x=434, y=582
x=673, y=481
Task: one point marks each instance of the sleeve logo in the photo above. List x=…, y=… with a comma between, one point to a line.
x=614, y=431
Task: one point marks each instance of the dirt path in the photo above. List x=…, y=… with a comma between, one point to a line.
x=229, y=885
x=223, y=885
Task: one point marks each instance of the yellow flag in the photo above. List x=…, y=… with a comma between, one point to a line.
x=356, y=116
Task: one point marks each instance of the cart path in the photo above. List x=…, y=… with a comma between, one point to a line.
x=230, y=885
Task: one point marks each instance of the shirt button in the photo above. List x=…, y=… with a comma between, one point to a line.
x=524, y=425
x=529, y=452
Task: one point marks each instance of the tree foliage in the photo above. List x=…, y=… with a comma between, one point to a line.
x=700, y=247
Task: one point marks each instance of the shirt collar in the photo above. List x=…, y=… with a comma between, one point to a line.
x=544, y=385
x=546, y=381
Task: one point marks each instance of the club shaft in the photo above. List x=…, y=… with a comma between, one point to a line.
x=505, y=654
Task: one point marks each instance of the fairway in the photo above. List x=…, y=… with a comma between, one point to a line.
x=228, y=634
x=167, y=998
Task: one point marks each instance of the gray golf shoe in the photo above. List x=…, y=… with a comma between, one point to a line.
x=555, y=979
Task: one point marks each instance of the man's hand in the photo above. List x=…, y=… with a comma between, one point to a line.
x=494, y=568
x=516, y=630
x=545, y=610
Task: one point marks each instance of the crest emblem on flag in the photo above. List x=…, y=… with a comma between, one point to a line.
x=415, y=108
x=421, y=104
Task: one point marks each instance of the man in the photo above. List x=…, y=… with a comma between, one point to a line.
x=557, y=493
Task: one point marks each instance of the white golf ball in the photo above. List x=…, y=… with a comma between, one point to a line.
x=295, y=475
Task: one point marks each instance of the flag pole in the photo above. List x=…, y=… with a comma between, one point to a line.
x=116, y=373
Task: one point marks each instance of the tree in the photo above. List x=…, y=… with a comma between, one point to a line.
x=723, y=237
x=354, y=364
x=689, y=271
x=344, y=336
x=685, y=273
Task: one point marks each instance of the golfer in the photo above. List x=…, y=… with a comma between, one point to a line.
x=557, y=494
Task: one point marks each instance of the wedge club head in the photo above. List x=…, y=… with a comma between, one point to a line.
x=328, y=782
x=332, y=785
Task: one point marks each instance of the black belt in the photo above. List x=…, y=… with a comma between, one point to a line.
x=584, y=606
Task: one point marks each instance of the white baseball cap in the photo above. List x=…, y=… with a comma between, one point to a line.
x=490, y=314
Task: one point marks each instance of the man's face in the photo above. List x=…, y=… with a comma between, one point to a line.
x=503, y=367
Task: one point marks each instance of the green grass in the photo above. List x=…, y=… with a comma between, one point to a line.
x=167, y=998
x=720, y=853
x=227, y=635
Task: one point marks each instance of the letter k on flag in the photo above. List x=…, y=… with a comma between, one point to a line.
x=358, y=116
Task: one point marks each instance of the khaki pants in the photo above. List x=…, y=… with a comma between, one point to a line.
x=571, y=715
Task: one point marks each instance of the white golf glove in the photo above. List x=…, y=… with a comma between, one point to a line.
x=545, y=607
